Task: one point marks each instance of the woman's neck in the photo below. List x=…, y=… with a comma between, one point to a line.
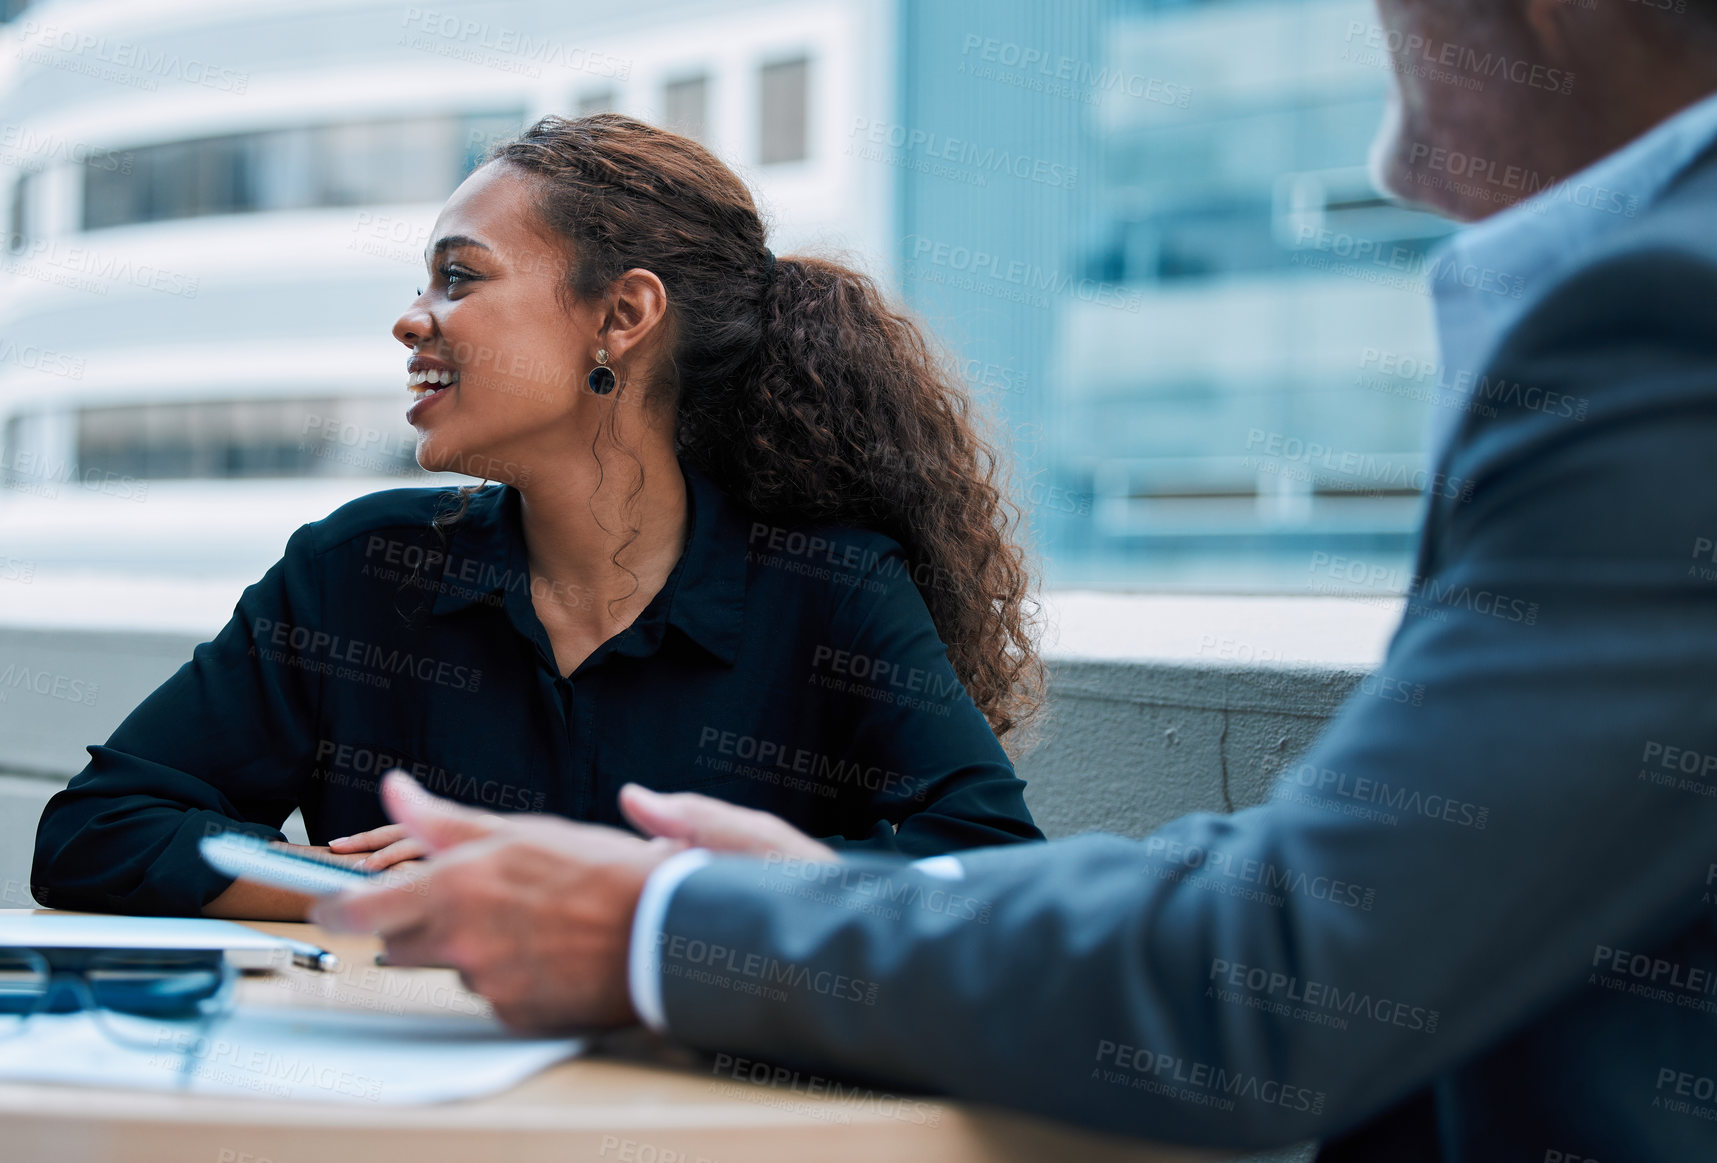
x=577, y=519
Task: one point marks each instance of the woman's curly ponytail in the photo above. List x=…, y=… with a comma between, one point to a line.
x=799, y=390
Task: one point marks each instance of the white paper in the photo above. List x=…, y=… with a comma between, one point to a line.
x=302, y=1055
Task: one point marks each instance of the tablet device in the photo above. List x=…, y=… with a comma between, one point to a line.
x=241, y=854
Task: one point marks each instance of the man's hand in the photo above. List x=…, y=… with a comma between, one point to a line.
x=702, y=822
x=535, y=912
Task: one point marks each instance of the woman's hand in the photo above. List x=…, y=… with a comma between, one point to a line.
x=380, y=848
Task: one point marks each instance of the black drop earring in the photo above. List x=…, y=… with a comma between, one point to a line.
x=601, y=378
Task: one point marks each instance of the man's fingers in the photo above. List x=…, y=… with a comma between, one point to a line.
x=416, y=948
x=655, y=814
x=439, y=823
x=703, y=822
x=400, y=901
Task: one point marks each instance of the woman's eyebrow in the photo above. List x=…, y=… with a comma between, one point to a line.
x=450, y=241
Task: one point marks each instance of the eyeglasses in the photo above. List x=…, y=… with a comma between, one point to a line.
x=146, y=1000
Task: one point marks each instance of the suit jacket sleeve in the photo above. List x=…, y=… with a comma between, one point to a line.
x=223, y=743
x=1433, y=874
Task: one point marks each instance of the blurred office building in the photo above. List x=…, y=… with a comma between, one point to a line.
x=1114, y=213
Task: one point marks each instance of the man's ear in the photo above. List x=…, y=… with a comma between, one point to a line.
x=1544, y=20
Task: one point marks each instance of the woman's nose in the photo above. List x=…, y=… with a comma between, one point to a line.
x=415, y=325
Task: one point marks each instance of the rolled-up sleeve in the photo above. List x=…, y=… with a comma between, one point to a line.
x=224, y=742
x=938, y=777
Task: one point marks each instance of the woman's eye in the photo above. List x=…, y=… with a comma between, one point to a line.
x=451, y=275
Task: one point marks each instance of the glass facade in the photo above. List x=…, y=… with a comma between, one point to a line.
x=1114, y=213
x=344, y=164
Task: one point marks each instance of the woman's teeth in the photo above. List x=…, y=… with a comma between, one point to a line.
x=426, y=383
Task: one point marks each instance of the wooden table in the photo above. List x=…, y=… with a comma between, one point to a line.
x=634, y=1099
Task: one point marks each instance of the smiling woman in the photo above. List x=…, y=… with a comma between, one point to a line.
x=742, y=538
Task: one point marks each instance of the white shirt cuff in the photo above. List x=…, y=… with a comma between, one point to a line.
x=644, y=973
x=941, y=867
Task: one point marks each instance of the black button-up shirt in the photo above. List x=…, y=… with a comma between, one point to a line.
x=793, y=669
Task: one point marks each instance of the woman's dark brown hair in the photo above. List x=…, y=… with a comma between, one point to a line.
x=797, y=389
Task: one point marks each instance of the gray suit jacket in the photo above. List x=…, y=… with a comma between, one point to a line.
x=1477, y=928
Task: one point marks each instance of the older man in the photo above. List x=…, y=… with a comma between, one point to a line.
x=1487, y=931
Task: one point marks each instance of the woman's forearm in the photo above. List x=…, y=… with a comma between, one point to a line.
x=246, y=900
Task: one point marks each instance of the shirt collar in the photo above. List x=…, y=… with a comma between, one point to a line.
x=1528, y=244
x=704, y=595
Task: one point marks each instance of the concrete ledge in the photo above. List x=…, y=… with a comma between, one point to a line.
x=1128, y=746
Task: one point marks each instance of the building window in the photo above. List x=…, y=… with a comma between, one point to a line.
x=601, y=101
x=352, y=163
x=685, y=106
x=294, y=437
x=18, y=223
x=783, y=92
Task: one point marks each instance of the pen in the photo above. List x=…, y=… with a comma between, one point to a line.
x=311, y=956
